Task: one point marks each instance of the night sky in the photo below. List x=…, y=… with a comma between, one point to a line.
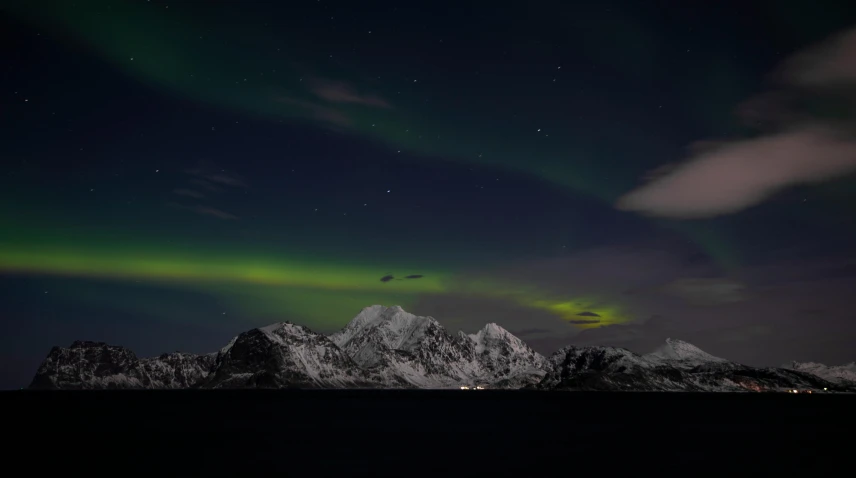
x=177, y=172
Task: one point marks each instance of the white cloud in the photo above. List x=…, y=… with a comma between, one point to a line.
x=741, y=174
x=732, y=176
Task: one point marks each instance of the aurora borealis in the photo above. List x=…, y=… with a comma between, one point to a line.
x=200, y=169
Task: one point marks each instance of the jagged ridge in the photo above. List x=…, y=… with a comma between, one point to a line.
x=409, y=350
x=841, y=374
x=387, y=347
x=97, y=365
x=678, y=366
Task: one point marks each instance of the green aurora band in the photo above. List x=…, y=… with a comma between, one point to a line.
x=277, y=286
x=188, y=60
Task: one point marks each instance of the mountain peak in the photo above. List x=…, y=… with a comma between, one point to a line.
x=394, y=317
x=279, y=326
x=678, y=350
x=491, y=333
x=397, y=328
x=492, y=328
x=376, y=313
x=87, y=344
x=501, y=348
x=285, y=332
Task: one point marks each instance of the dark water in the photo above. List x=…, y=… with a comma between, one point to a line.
x=427, y=433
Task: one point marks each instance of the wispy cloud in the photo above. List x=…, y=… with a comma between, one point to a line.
x=804, y=147
x=214, y=212
x=335, y=92
x=341, y=92
x=213, y=180
x=211, y=174
x=205, y=185
x=319, y=112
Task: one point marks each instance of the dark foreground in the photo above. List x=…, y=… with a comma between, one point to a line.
x=427, y=433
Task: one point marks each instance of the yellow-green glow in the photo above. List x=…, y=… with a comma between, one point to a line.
x=169, y=267
x=571, y=310
x=266, y=286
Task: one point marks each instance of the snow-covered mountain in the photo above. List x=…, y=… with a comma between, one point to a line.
x=682, y=354
x=506, y=361
x=96, y=365
x=382, y=347
x=840, y=374
x=676, y=366
x=387, y=347
x=285, y=355
x=418, y=351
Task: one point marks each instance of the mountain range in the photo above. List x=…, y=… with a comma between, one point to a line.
x=387, y=347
